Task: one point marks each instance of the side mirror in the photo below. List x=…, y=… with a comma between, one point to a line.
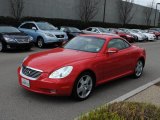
x=34, y=28
x=112, y=50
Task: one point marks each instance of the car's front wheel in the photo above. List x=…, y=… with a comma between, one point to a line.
x=40, y=42
x=138, y=69
x=83, y=86
x=2, y=47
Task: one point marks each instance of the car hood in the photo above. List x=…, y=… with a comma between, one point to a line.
x=48, y=61
x=15, y=34
x=148, y=34
x=56, y=32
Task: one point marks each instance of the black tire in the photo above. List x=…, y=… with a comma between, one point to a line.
x=2, y=47
x=138, y=69
x=86, y=88
x=40, y=42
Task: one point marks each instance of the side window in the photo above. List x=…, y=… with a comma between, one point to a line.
x=32, y=25
x=89, y=29
x=118, y=43
x=95, y=30
x=26, y=26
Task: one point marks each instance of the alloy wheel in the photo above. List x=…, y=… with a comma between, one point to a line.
x=1, y=46
x=84, y=86
x=139, y=69
x=40, y=43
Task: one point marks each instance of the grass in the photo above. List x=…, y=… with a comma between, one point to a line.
x=124, y=111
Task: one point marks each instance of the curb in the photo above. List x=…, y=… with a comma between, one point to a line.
x=134, y=92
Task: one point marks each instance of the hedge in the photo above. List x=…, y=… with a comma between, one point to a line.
x=67, y=22
x=124, y=111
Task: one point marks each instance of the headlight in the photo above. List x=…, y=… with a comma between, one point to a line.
x=61, y=73
x=30, y=38
x=8, y=39
x=50, y=35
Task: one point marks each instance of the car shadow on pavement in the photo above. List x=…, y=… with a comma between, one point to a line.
x=64, y=100
x=45, y=98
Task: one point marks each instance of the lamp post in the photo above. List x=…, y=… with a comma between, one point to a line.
x=104, y=12
x=156, y=14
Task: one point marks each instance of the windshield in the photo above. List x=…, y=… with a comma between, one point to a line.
x=136, y=31
x=84, y=43
x=46, y=26
x=132, y=31
x=73, y=29
x=103, y=30
x=120, y=31
x=8, y=30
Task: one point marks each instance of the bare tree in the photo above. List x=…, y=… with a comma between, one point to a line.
x=148, y=12
x=17, y=7
x=126, y=11
x=88, y=9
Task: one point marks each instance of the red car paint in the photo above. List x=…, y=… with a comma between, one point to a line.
x=124, y=35
x=105, y=66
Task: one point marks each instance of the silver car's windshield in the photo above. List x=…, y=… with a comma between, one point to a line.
x=103, y=30
x=85, y=43
x=46, y=26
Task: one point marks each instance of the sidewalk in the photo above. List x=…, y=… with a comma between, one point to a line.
x=150, y=95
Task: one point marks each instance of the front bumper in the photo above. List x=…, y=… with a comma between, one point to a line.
x=19, y=45
x=47, y=86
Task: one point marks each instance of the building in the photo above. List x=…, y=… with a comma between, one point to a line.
x=68, y=9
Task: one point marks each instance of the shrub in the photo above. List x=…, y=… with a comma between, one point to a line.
x=124, y=111
x=67, y=22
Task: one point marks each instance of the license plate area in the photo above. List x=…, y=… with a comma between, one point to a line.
x=25, y=82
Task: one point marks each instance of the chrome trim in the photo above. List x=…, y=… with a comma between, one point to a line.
x=27, y=76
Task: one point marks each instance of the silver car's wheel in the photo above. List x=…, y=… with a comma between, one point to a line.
x=1, y=46
x=40, y=43
x=139, y=69
x=83, y=86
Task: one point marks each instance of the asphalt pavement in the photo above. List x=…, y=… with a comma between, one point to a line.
x=19, y=104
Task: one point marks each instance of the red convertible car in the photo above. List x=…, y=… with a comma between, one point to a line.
x=83, y=63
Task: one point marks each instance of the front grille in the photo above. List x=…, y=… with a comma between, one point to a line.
x=29, y=72
x=22, y=39
x=60, y=36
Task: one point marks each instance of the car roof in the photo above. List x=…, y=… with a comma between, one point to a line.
x=106, y=36
x=34, y=22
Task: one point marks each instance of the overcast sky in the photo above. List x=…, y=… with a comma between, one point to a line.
x=146, y=2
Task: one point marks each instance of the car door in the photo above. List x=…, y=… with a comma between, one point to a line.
x=33, y=30
x=118, y=64
x=24, y=28
x=28, y=29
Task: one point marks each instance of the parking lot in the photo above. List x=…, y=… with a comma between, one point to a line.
x=19, y=104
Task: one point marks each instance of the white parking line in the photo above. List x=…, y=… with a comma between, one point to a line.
x=134, y=92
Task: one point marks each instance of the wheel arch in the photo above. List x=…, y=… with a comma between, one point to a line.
x=143, y=60
x=91, y=72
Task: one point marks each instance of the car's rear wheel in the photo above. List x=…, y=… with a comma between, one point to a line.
x=40, y=42
x=138, y=69
x=83, y=86
x=2, y=47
